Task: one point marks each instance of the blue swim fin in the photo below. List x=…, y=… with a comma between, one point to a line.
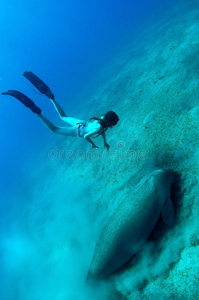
x=39, y=84
x=24, y=99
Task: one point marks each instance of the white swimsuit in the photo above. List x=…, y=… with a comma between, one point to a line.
x=86, y=127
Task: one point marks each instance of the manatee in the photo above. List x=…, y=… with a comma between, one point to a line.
x=132, y=223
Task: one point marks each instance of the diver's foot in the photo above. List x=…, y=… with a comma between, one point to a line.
x=25, y=100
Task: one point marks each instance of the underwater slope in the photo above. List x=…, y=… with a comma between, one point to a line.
x=154, y=87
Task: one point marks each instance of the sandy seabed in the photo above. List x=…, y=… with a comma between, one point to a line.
x=154, y=87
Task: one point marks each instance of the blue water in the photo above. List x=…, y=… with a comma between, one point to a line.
x=66, y=43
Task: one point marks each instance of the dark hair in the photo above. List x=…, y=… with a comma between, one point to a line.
x=110, y=119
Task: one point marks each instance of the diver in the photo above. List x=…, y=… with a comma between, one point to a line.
x=92, y=128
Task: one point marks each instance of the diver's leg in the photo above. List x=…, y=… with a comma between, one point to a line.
x=72, y=121
x=69, y=120
x=44, y=89
x=58, y=109
x=67, y=131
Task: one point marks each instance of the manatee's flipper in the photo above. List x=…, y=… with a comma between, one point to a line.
x=167, y=213
x=39, y=84
x=25, y=100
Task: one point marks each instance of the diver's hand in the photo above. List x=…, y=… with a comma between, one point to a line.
x=107, y=146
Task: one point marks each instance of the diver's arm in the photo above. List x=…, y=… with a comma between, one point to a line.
x=88, y=135
x=106, y=145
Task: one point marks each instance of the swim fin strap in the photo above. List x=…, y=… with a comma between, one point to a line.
x=24, y=99
x=39, y=84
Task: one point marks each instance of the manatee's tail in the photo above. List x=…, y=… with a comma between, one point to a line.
x=24, y=99
x=39, y=84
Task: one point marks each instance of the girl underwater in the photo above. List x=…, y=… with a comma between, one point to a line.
x=78, y=128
